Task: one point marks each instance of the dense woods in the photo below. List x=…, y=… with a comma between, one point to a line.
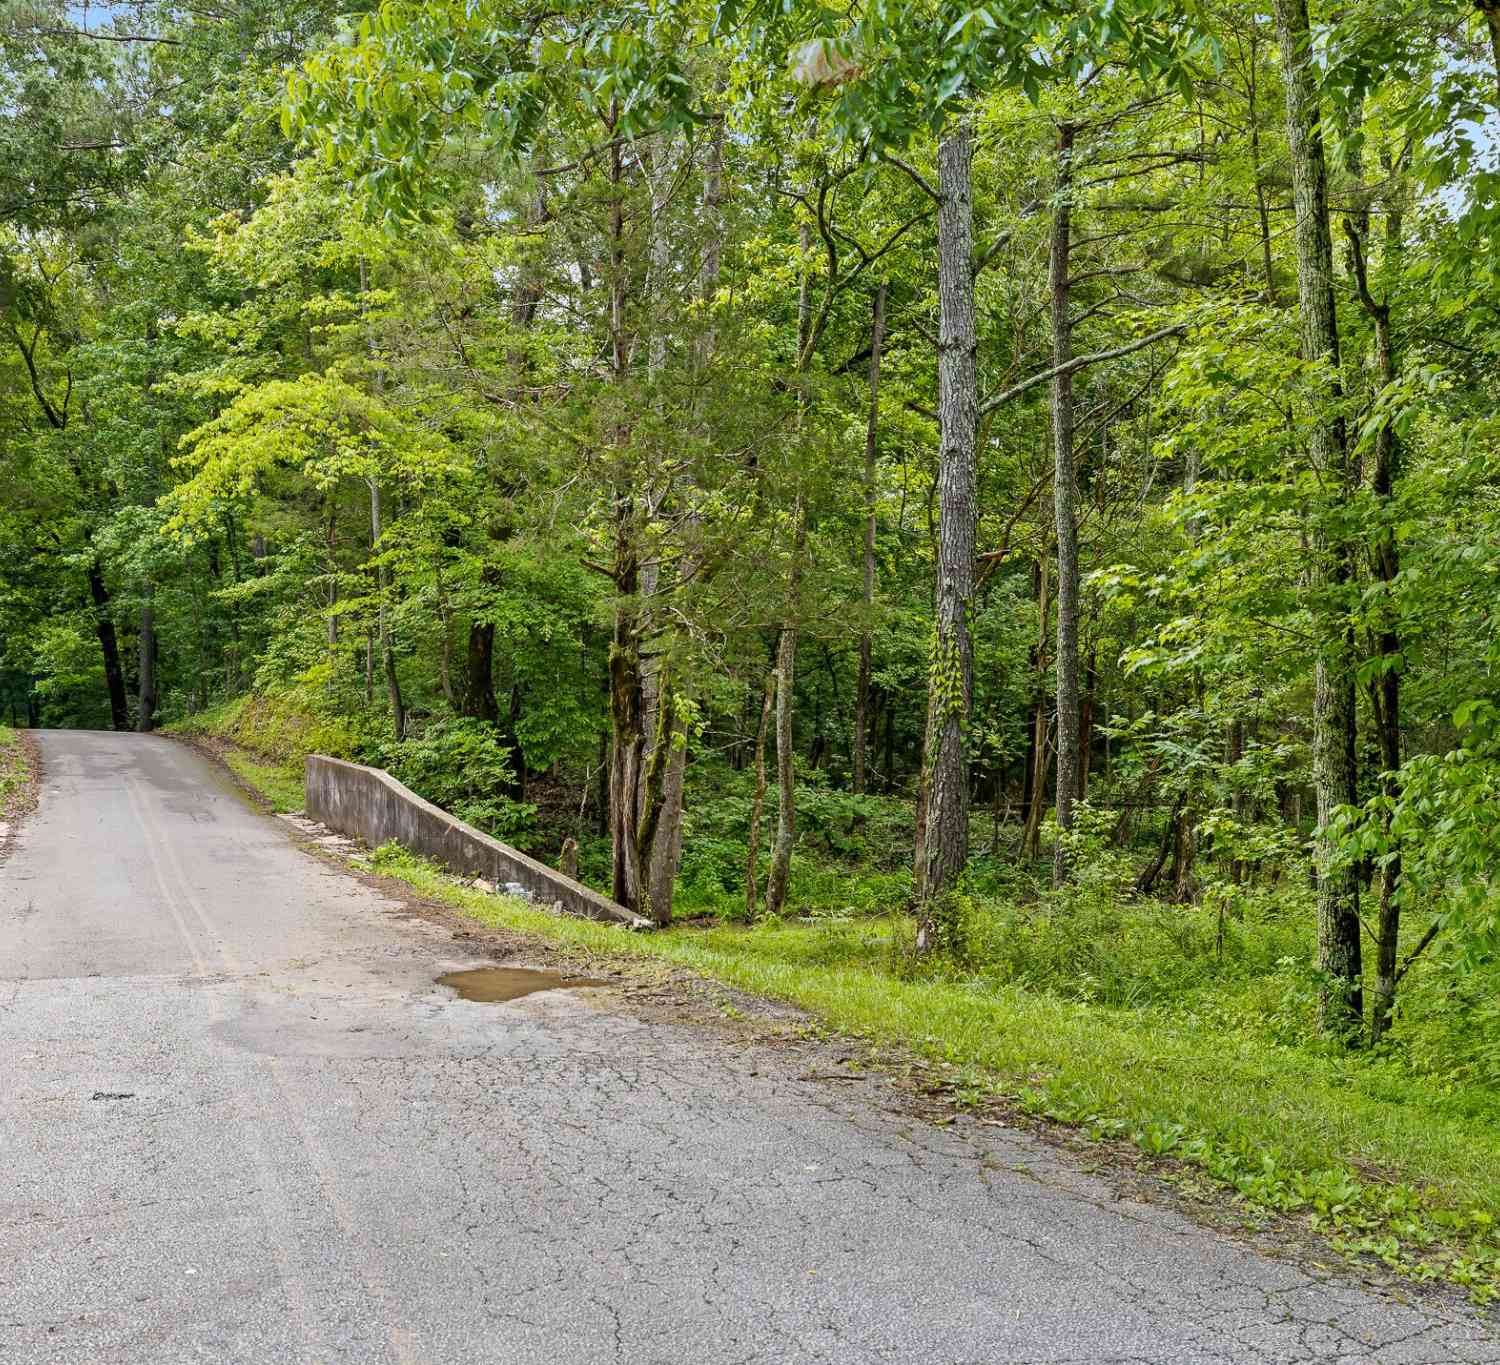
x=1025, y=476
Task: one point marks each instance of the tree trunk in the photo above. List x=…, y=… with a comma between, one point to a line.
x=950, y=685
x=1333, y=745
x=758, y=802
x=665, y=852
x=779, y=877
x=627, y=718
x=387, y=654
x=1037, y=748
x=1145, y=884
x=513, y=743
x=109, y=647
x=146, y=711
x=1234, y=753
x=859, y=748
x=445, y=646
x=786, y=647
x=1086, y=720
x=234, y=675
x=627, y=721
x=1064, y=503
x=1262, y=210
x=331, y=629
x=1385, y=690
x=479, y=698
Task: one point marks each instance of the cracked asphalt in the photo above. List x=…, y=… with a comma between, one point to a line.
x=239, y=1121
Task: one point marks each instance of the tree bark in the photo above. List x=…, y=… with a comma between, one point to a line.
x=859, y=748
x=1334, y=759
x=950, y=684
x=479, y=699
x=1064, y=502
x=109, y=647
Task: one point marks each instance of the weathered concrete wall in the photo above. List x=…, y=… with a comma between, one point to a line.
x=370, y=804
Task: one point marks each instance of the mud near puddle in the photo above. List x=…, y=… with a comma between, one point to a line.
x=495, y=985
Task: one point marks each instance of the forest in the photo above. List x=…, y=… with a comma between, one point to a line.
x=1005, y=498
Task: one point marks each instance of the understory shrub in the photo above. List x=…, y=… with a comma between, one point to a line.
x=460, y=764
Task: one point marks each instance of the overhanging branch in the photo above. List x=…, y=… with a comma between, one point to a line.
x=1079, y=362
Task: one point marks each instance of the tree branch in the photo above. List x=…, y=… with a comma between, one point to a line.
x=915, y=175
x=107, y=37
x=1432, y=933
x=1079, y=362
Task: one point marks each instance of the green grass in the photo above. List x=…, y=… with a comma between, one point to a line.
x=269, y=738
x=279, y=783
x=276, y=728
x=14, y=770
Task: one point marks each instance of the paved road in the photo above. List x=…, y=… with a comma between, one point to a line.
x=323, y=1156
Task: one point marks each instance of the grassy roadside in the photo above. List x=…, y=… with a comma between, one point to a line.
x=263, y=744
x=1376, y=1161
x=15, y=774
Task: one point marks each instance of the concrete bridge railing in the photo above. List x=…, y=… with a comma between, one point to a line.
x=369, y=804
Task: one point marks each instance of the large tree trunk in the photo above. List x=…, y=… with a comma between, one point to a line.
x=479, y=698
x=1333, y=745
x=858, y=749
x=145, y=720
x=950, y=684
x=1064, y=503
x=109, y=647
x=626, y=689
x=663, y=772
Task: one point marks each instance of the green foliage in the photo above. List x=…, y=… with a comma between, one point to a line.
x=286, y=727
x=461, y=765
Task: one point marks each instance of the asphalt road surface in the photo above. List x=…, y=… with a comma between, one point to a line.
x=239, y=1121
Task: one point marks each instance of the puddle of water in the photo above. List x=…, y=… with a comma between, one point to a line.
x=491, y=985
